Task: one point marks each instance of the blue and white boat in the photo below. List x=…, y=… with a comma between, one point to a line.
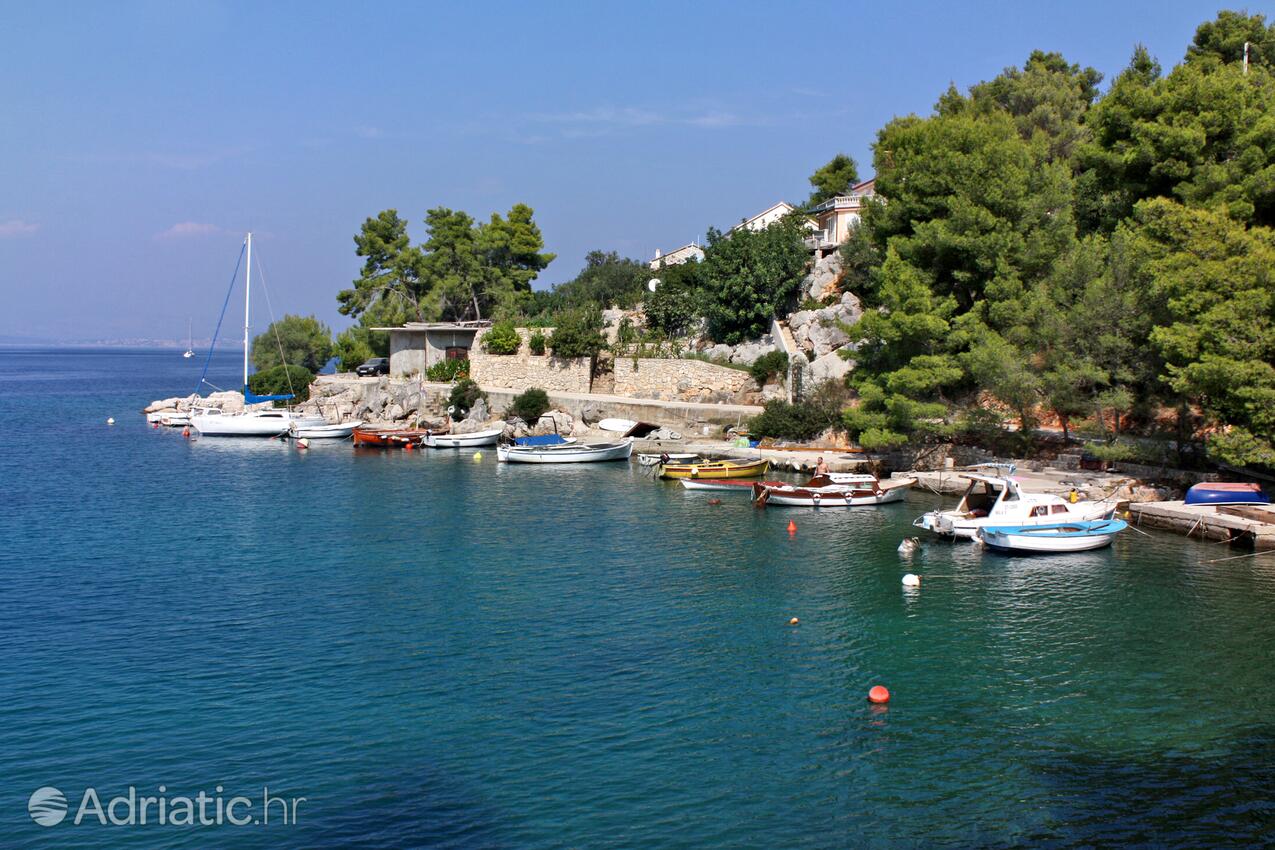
x=1057, y=537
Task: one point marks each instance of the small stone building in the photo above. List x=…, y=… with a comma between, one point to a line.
x=416, y=346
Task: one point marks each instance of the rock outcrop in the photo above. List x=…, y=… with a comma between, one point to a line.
x=824, y=278
x=821, y=331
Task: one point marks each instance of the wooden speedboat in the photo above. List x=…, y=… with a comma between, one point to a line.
x=822, y=491
x=715, y=469
x=1055, y=537
x=464, y=441
x=566, y=452
x=386, y=438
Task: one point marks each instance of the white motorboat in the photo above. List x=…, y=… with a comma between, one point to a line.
x=463, y=441
x=175, y=420
x=1055, y=537
x=727, y=484
x=824, y=491
x=254, y=422
x=341, y=431
x=566, y=453
x=998, y=500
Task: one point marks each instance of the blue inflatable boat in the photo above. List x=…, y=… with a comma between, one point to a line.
x=1226, y=493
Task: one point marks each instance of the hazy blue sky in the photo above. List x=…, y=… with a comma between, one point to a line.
x=139, y=140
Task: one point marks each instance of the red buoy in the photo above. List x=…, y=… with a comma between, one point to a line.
x=714, y=501
x=878, y=694
x=185, y=432
x=792, y=527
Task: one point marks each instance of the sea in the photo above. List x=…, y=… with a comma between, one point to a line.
x=237, y=643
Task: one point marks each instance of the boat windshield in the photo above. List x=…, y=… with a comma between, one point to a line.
x=980, y=498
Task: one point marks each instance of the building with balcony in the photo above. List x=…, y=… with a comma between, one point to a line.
x=836, y=217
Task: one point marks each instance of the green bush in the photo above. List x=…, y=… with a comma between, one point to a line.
x=767, y=366
x=529, y=405
x=537, y=342
x=282, y=380
x=502, y=338
x=578, y=334
x=446, y=371
x=799, y=421
x=463, y=396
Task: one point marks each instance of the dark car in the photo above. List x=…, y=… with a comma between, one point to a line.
x=375, y=366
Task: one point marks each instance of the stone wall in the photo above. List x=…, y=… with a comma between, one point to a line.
x=681, y=380
x=524, y=369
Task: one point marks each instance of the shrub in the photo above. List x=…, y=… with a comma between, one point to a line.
x=578, y=334
x=799, y=421
x=537, y=342
x=282, y=380
x=529, y=405
x=463, y=396
x=445, y=371
x=767, y=366
x=502, y=338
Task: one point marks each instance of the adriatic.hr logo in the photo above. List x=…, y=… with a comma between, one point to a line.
x=48, y=807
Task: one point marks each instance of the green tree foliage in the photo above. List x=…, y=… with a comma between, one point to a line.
x=358, y=344
x=607, y=280
x=282, y=380
x=837, y=177
x=446, y=371
x=502, y=338
x=305, y=341
x=798, y=421
x=749, y=275
x=578, y=334
x=767, y=366
x=678, y=301
x=537, y=342
x=465, y=393
x=529, y=405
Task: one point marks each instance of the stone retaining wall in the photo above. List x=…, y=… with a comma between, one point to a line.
x=524, y=369
x=681, y=380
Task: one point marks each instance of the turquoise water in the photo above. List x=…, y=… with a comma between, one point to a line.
x=440, y=652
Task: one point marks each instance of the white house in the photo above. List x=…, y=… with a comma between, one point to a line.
x=677, y=256
x=836, y=217
x=766, y=217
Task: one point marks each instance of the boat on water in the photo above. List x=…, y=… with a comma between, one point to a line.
x=1226, y=493
x=653, y=459
x=999, y=500
x=566, y=452
x=341, y=431
x=823, y=491
x=716, y=469
x=175, y=420
x=463, y=441
x=190, y=341
x=544, y=440
x=389, y=438
x=736, y=486
x=1053, y=537
x=261, y=422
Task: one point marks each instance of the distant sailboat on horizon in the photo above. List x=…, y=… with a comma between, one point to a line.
x=190, y=341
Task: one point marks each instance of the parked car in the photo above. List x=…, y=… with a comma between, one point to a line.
x=375, y=366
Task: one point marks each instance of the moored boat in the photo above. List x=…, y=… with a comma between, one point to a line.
x=462, y=441
x=389, y=437
x=725, y=484
x=653, y=459
x=566, y=452
x=823, y=491
x=999, y=500
x=339, y=431
x=1226, y=493
x=1053, y=537
x=716, y=469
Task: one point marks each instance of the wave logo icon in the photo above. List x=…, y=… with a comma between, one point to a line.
x=47, y=806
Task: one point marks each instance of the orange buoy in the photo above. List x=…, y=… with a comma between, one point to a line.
x=878, y=695
x=792, y=527
x=794, y=622
x=407, y=447
x=185, y=432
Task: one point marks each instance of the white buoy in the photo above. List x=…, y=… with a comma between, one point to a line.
x=909, y=546
x=911, y=580
x=110, y=420
x=303, y=443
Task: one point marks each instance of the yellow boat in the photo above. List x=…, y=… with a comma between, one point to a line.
x=710, y=469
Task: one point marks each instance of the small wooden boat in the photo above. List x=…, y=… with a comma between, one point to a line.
x=544, y=440
x=464, y=441
x=716, y=469
x=725, y=484
x=386, y=438
x=322, y=432
x=652, y=459
x=1226, y=493
x=1057, y=537
x=822, y=491
x=566, y=452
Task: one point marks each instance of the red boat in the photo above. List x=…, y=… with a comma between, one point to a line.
x=390, y=438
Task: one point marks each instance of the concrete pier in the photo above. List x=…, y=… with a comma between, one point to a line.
x=1241, y=524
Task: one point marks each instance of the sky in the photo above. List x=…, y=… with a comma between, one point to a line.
x=139, y=141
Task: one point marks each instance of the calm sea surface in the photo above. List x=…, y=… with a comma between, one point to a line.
x=434, y=651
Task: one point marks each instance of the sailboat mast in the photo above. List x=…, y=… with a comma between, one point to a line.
x=247, y=296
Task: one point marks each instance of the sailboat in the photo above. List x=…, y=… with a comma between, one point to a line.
x=268, y=422
x=190, y=341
